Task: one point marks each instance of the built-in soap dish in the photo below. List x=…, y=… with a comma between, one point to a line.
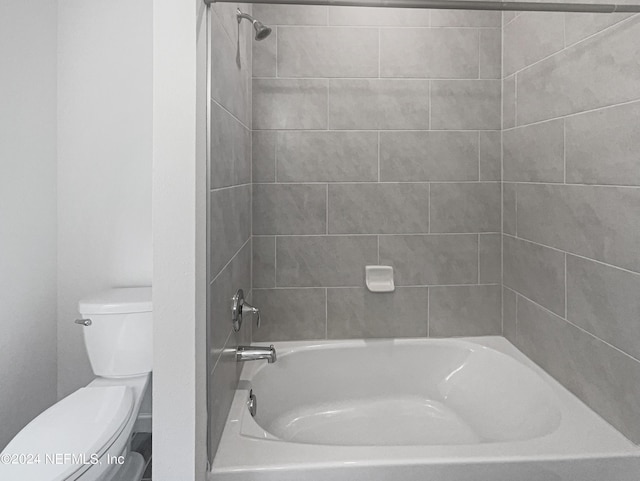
x=379, y=278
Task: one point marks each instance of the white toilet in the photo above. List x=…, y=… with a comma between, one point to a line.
x=86, y=436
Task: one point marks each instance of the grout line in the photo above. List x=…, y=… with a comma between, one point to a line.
x=573, y=254
x=478, y=258
x=578, y=327
x=566, y=296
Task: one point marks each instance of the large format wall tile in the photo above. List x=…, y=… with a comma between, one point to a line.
x=424, y=156
x=429, y=53
x=466, y=207
x=289, y=104
x=603, y=70
x=230, y=149
x=431, y=259
x=604, y=378
x=264, y=261
x=464, y=311
x=465, y=104
x=230, y=218
x=604, y=301
x=531, y=37
x=534, y=153
x=579, y=26
x=328, y=156
x=603, y=147
x=490, y=53
x=231, y=83
x=490, y=258
x=379, y=104
x=289, y=209
x=264, y=156
x=290, y=14
x=379, y=208
x=597, y=222
x=464, y=18
x=535, y=272
x=358, y=313
x=327, y=52
x=290, y=314
x=265, y=56
x=382, y=17
x=329, y=261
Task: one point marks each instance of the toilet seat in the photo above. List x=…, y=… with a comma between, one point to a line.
x=84, y=424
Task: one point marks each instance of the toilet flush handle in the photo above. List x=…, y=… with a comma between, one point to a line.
x=84, y=322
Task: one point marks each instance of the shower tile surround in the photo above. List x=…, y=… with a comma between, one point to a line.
x=571, y=204
x=504, y=189
x=376, y=141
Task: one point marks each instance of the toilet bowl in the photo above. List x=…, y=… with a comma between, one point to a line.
x=86, y=436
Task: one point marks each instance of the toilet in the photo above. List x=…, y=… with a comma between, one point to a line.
x=86, y=436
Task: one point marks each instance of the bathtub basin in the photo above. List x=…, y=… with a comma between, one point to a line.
x=438, y=409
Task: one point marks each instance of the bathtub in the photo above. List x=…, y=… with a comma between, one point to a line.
x=466, y=409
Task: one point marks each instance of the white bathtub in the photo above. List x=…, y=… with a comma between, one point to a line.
x=472, y=409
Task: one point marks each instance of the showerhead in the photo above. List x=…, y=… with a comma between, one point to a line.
x=262, y=31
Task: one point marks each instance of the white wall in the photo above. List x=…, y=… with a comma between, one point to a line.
x=179, y=232
x=104, y=161
x=27, y=211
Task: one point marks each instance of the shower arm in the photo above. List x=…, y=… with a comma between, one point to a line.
x=456, y=5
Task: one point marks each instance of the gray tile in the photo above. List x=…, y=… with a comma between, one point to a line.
x=265, y=56
x=509, y=319
x=491, y=53
x=379, y=104
x=431, y=259
x=465, y=104
x=290, y=314
x=291, y=14
x=464, y=18
x=601, y=223
x=382, y=17
x=534, y=153
x=429, y=53
x=464, y=311
x=230, y=221
x=358, y=313
x=509, y=217
x=535, y=272
x=530, y=38
x=264, y=261
x=581, y=77
x=508, y=16
x=230, y=82
x=604, y=301
x=604, y=378
x=579, y=26
x=379, y=208
x=468, y=207
x=423, y=156
x=509, y=102
x=327, y=156
x=264, y=156
x=289, y=104
x=490, y=155
x=230, y=149
x=490, y=258
x=603, y=147
x=327, y=52
x=329, y=261
x=289, y=209
x=236, y=275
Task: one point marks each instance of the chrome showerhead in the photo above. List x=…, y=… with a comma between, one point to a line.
x=262, y=31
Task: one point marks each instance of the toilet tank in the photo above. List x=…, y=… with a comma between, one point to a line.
x=119, y=337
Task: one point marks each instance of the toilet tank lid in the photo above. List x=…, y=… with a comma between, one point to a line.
x=122, y=300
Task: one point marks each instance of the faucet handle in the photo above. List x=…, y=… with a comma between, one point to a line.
x=254, y=311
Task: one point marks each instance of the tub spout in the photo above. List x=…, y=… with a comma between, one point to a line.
x=255, y=353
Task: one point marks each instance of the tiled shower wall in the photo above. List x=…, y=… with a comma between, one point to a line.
x=572, y=204
x=229, y=210
x=376, y=141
